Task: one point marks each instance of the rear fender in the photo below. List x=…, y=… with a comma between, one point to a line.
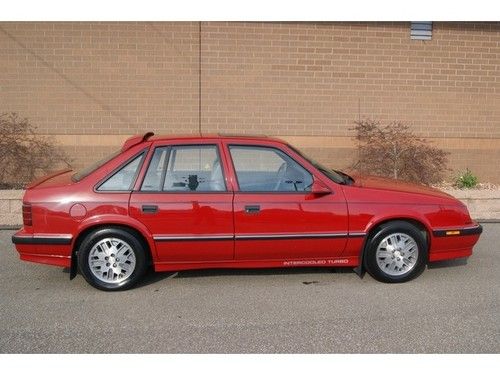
x=109, y=220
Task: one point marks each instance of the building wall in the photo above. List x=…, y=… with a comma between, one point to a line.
x=92, y=84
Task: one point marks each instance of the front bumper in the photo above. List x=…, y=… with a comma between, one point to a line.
x=476, y=229
x=454, y=242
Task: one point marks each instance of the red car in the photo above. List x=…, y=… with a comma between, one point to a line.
x=192, y=202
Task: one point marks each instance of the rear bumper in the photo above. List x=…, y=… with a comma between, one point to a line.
x=454, y=242
x=41, y=239
x=52, y=249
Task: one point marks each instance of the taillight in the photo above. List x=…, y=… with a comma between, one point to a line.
x=27, y=214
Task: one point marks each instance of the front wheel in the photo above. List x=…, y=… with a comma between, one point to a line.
x=396, y=253
x=112, y=259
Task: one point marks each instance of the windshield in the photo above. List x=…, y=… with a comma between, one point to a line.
x=90, y=169
x=335, y=176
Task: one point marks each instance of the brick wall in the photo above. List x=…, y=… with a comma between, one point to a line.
x=92, y=84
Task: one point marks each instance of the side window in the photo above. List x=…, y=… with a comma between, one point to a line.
x=185, y=168
x=267, y=169
x=123, y=179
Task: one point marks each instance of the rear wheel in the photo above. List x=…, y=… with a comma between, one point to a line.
x=397, y=252
x=112, y=259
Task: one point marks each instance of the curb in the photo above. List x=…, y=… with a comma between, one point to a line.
x=10, y=227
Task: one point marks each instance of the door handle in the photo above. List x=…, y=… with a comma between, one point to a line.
x=149, y=209
x=252, y=209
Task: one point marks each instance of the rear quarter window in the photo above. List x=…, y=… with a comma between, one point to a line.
x=123, y=179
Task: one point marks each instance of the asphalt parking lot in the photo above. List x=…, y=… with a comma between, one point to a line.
x=453, y=307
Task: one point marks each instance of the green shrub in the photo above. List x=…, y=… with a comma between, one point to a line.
x=466, y=180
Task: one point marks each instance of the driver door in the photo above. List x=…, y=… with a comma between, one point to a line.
x=276, y=217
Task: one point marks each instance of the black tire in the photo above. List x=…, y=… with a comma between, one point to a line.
x=379, y=269
x=121, y=237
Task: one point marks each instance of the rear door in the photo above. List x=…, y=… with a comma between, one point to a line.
x=184, y=201
x=276, y=216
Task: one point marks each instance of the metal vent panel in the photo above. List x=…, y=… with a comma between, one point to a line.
x=421, y=30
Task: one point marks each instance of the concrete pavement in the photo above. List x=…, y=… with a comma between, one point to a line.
x=453, y=307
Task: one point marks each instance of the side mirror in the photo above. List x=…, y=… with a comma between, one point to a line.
x=319, y=188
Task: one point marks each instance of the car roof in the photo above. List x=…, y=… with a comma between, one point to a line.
x=151, y=137
x=163, y=137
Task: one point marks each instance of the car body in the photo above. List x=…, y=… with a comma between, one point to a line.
x=221, y=201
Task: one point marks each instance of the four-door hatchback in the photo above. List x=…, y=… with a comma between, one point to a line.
x=193, y=202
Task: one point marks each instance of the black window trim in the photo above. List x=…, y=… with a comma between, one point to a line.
x=229, y=145
x=141, y=154
x=169, y=147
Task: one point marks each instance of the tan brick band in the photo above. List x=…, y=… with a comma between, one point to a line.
x=349, y=142
x=299, y=141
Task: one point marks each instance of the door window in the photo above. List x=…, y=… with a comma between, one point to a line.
x=266, y=169
x=185, y=168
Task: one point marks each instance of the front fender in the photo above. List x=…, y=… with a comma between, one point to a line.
x=414, y=216
x=367, y=223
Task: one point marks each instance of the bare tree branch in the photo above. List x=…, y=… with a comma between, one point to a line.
x=24, y=154
x=394, y=151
